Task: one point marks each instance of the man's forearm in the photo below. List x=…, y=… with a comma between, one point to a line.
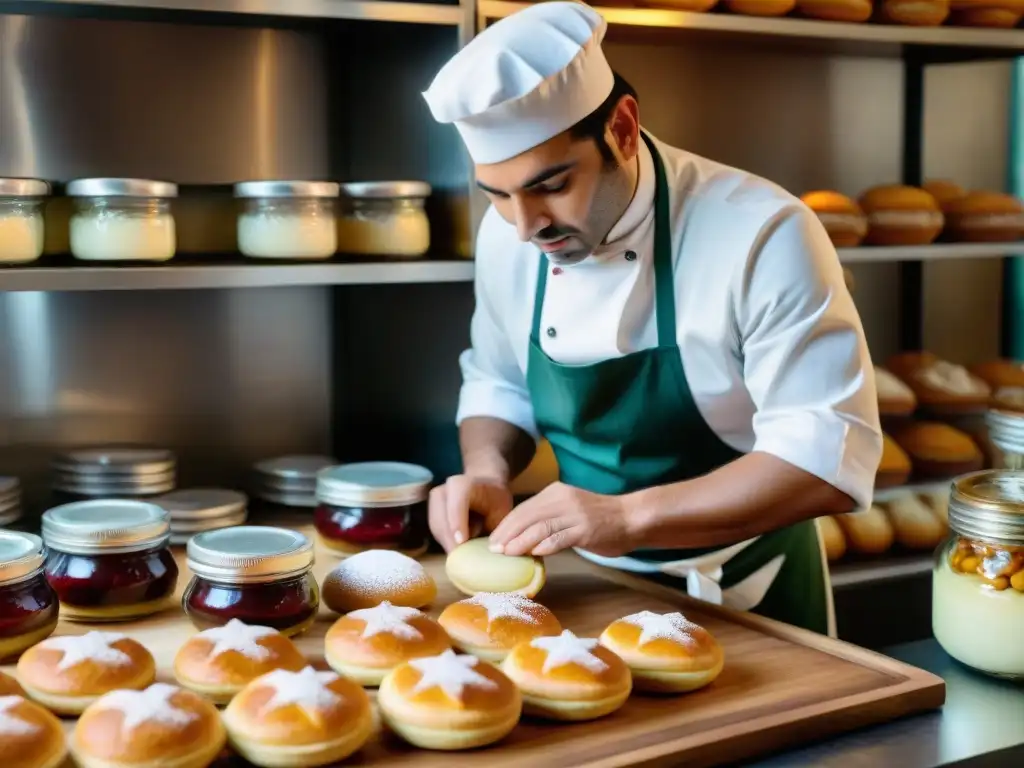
x=752, y=495
x=494, y=448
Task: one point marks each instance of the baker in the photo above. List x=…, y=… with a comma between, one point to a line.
x=677, y=329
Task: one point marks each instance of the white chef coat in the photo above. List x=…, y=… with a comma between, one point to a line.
x=771, y=343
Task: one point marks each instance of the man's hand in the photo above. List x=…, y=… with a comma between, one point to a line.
x=560, y=517
x=451, y=503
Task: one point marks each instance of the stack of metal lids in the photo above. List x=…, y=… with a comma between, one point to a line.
x=115, y=472
x=194, y=510
x=289, y=481
x=10, y=500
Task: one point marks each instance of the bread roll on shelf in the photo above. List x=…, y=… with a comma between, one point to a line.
x=868, y=531
x=760, y=7
x=850, y=11
x=914, y=524
x=833, y=538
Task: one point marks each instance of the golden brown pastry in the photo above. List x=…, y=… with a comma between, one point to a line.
x=1005, y=379
x=832, y=537
x=30, y=736
x=944, y=191
x=939, y=385
x=568, y=677
x=490, y=624
x=867, y=531
x=938, y=502
x=367, y=644
x=449, y=702
x=938, y=450
x=694, y=6
x=914, y=523
x=299, y=719
x=67, y=673
x=915, y=13
x=760, y=7
x=900, y=215
x=894, y=468
x=985, y=217
x=473, y=568
x=369, y=578
x=665, y=652
x=1000, y=14
x=895, y=398
x=842, y=218
x=851, y=11
x=219, y=662
x=162, y=725
x=9, y=686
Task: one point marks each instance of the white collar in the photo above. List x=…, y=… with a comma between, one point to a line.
x=637, y=213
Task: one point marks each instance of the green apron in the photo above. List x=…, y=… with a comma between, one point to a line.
x=628, y=423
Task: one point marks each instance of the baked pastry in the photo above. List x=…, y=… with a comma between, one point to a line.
x=868, y=531
x=914, y=523
x=299, y=719
x=895, y=398
x=67, y=673
x=939, y=385
x=1000, y=14
x=760, y=7
x=490, y=624
x=938, y=502
x=938, y=450
x=694, y=6
x=367, y=644
x=449, y=702
x=9, y=686
x=162, y=725
x=1005, y=378
x=472, y=568
x=30, y=736
x=985, y=217
x=369, y=578
x=899, y=215
x=915, y=13
x=665, y=652
x=219, y=662
x=894, y=468
x=832, y=538
x=944, y=191
x=842, y=218
x=852, y=11
x=568, y=677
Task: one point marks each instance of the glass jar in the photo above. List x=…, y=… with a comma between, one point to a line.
x=287, y=219
x=373, y=505
x=1006, y=439
x=978, y=579
x=108, y=559
x=22, y=228
x=384, y=218
x=122, y=219
x=256, y=574
x=28, y=605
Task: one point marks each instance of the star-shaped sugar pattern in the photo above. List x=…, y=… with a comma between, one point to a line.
x=662, y=626
x=153, y=705
x=390, y=619
x=306, y=689
x=92, y=646
x=503, y=605
x=11, y=724
x=450, y=672
x=566, y=648
x=241, y=637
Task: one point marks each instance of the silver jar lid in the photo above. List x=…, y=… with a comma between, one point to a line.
x=208, y=523
x=249, y=553
x=373, y=484
x=202, y=503
x=101, y=526
x=287, y=189
x=21, y=555
x=1006, y=431
x=294, y=468
x=386, y=190
x=24, y=188
x=108, y=187
x=116, y=461
x=9, y=486
x=988, y=506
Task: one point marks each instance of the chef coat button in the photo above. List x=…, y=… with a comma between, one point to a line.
x=556, y=271
x=630, y=255
x=552, y=333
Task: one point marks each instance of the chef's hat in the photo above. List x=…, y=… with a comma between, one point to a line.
x=524, y=80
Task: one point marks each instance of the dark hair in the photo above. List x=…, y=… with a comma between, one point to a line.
x=593, y=125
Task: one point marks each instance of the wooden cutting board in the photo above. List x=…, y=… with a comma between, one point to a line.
x=780, y=687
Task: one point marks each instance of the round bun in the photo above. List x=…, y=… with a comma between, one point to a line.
x=369, y=578
x=851, y=11
x=162, y=725
x=9, y=686
x=938, y=450
x=491, y=624
x=985, y=217
x=944, y=191
x=894, y=467
x=899, y=215
x=219, y=662
x=568, y=677
x=69, y=672
x=30, y=735
x=665, y=652
x=995, y=17
x=367, y=644
x=473, y=568
x=915, y=13
x=842, y=218
x=760, y=7
x=449, y=702
x=299, y=719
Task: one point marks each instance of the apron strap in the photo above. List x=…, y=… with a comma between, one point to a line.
x=538, y=301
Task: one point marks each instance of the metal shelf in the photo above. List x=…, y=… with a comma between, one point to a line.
x=193, y=275
x=938, y=252
x=885, y=568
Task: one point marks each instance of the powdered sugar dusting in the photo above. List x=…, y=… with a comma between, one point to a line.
x=663, y=626
x=566, y=648
x=239, y=636
x=450, y=672
x=504, y=605
x=152, y=705
x=92, y=646
x=11, y=724
x=390, y=619
x=306, y=689
x=379, y=570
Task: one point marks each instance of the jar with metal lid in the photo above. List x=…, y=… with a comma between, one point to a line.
x=22, y=228
x=384, y=218
x=1005, y=438
x=28, y=605
x=373, y=505
x=287, y=219
x=256, y=574
x=194, y=510
x=113, y=472
x=978, y=579
x=287, y=484
x=108, y=560
x=122, y=219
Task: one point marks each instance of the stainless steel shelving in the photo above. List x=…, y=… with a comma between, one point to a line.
x=939, y=252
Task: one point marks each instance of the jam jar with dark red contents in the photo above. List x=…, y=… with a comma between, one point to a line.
x=373, y=505
x=108, y=559
x=28, y=606
x=256, y=574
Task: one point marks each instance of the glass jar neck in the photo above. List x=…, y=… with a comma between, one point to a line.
x=294, y=206
x=24, y=578
x=139, y=206
x=21, y=205
x=244, y=580
x=384, y=204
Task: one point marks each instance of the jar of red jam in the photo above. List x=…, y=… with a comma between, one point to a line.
x=256, y=574
x=373, y=505
x=108, y=559
x=28, y=606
